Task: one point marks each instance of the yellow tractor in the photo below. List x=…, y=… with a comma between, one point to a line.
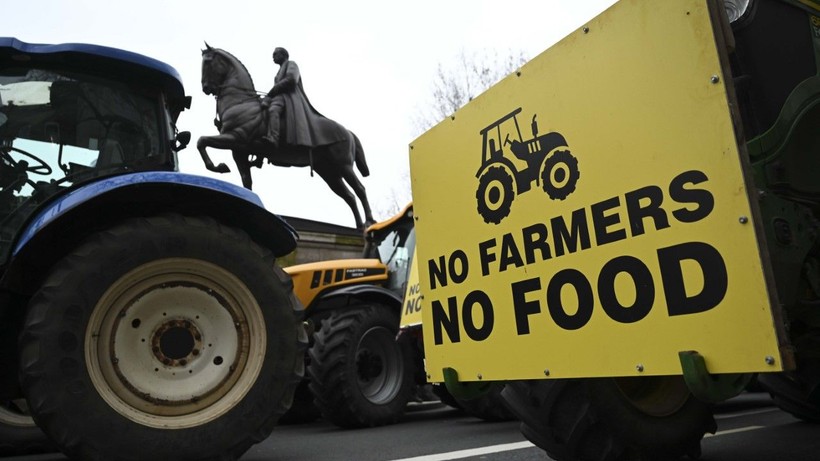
x=358, y=374
x=362, y=367
x=484, y=402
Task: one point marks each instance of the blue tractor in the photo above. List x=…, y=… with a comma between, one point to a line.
x=142, y=315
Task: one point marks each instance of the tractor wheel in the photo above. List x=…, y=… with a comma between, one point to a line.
x=489, y=407
x=19, y=435
x=560, y=174
x=495, y=194
x=613, y=419
x=303, y=410
x=798, y=391
x=440, y=390
x=790, y=396
x=360, y=375
x=175, y=337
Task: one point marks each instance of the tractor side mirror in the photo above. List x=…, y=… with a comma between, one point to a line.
x=182, y=140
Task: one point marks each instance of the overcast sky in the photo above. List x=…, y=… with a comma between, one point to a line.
x=368, y=64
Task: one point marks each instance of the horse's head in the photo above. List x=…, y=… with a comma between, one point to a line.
x=213, y=70
x=219, y=67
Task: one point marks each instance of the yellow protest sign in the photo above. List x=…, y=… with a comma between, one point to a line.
x=588, y=216
x=412, y=304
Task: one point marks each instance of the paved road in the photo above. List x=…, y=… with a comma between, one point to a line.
x=749, y=429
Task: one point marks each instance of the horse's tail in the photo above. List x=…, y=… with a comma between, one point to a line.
x=361, y=163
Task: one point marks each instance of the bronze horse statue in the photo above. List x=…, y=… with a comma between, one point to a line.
x=242, y=122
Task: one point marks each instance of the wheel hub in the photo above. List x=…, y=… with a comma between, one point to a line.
x=657, y=396
x=379, y=365
x=169, y=345
x=369, y=365
x=176, y=342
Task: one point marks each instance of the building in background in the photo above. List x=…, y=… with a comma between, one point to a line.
x=319, y=241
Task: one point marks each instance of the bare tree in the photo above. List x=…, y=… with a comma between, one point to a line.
x=463, y=79
x=456, y=83
x=396, y=198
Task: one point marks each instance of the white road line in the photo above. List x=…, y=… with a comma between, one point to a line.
x=745, y=413
x=470, y=452
x=733, y=431
x=460, y=454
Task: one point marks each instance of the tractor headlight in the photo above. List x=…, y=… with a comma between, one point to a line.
x=735, y=9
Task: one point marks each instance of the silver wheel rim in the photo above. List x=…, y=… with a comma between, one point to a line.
x=379, y=365
x=15, y=413
x=175, y=343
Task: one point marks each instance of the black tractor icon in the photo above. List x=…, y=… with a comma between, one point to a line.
x=549, y=164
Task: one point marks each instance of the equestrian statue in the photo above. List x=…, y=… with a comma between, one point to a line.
x=282, y=127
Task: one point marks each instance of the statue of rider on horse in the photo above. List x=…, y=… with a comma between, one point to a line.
x=303, y=125
x=283, y=128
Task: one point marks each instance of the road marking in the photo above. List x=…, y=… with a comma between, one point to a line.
x=733, y=431
x=745, y=413
x=460, y=454
x=470, y=452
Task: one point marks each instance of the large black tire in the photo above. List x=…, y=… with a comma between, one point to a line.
x=360, y=375
x=798, y=391
x=790, y=395
x=440, y=390
x=490, y=406
x=162, y=338
x=635, y=419
x=19, y=435
x=303, y=410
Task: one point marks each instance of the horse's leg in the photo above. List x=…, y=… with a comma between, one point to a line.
x=222, y=141
x=337, y=185
x=243, y=164
x=357, y=186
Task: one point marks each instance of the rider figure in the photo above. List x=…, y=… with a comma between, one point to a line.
x=288, y=107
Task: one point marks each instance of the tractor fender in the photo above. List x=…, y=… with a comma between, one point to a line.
x=64, y=222
x=356, y=294
x=502, y=160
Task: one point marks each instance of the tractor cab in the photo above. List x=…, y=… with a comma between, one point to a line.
x=392, y=242
x=354, y=308
x=70, y=114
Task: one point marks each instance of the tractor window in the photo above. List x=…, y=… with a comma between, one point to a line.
x=60, y=129
x=395, y=250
